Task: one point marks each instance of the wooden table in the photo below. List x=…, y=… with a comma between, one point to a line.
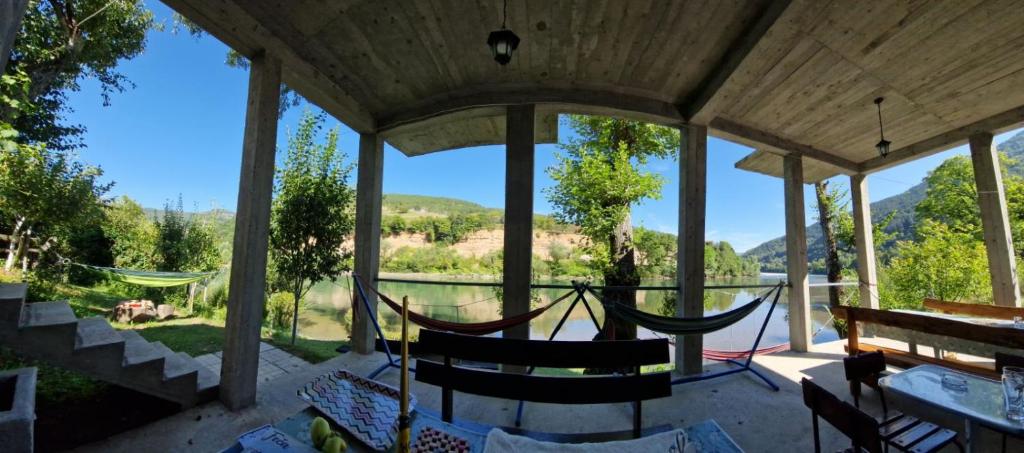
x=707, y=436
x=981, y=404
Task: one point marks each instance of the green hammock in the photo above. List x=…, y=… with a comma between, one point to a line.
x=681, y=326
x=152, y=279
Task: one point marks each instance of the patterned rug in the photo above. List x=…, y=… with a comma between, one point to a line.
x=365, y=408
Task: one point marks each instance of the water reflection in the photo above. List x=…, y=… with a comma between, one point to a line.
x=326, y=314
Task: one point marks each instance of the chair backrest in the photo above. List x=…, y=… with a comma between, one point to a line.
x=859, y=427
x=866, y=365
x=1004, y=360
x=612, y=355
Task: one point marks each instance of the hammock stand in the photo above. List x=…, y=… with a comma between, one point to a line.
x=483, y=328
x=717, y=322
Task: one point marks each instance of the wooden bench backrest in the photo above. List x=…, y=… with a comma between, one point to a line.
x=861, y=428
x=981, y=310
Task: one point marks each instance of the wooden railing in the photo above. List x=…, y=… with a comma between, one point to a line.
x=998, y=336
x=981, y=310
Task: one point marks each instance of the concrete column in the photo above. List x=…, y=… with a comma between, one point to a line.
x=518, y=253
x=796, y=255
x=11, y=12
x=693, y=153
x=995, y=221
x=865, y=241
x=369, y=192
x=252, y=233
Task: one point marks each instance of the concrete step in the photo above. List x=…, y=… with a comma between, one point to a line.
x=138, y=351
x=98, y=347
x=48, y=329
x=208, y=384
x=47, y=314
x=178, y=372
x=96, y=332
x=12, y=298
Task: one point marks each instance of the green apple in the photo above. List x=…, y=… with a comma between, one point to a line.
x=319, y=431
x=334, y=444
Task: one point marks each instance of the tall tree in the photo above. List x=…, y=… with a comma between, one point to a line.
x=62, y=42
x=830, y=210
x=312, y=212
x=42, y=193
x=598, y=179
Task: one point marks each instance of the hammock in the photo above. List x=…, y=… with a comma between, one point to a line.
x=480, y=328
x=152, y=279
x=680, y=326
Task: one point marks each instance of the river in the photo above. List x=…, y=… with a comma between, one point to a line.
x=326, y=313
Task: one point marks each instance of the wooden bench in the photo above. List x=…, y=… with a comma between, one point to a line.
x=633, y=387
x=980, y=310
x=1008, y=338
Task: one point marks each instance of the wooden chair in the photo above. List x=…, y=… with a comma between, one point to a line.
x=860, y=428
x=902, y=431
x=633, y=387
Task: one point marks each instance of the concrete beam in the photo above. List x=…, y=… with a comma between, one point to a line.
x=744, y=45
x=693, y=149
x=865, y=241
x=995, y=221
x=796, y=255
x=252, y=232
x=369, y=196
x=11, y=12
x=518, y=253
x=731, y=130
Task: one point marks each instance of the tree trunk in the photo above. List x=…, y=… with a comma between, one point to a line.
x=295, y=313
x=622, y=273
x=12, y=248
x=833, y=268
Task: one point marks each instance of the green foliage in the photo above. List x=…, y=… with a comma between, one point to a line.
x=943, y=263
x=62, y=42
x=720, y=260
x=134, y=236
x=278, y=312
x=435, y=260
x=184, y=244
x=313, y=211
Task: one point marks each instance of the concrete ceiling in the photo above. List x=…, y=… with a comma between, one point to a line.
x=782, y=76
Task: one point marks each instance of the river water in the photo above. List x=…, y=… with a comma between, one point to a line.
x=326, y=313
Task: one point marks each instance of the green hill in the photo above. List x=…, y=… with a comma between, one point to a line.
x=772, y=254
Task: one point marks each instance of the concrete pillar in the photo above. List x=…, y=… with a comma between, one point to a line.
x=518, y=253
x=796, y=255
x=11, y=12
x=693, y=153
x=252, y=233
x=369, y=192
x=995, y=221
x=865, y=241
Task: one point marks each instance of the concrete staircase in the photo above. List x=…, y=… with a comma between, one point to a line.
x=50, y=332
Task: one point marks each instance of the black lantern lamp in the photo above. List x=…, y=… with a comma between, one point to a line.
x=503, y=42
x=883, y=144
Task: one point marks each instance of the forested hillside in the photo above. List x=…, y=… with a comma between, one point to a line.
x=772, y=254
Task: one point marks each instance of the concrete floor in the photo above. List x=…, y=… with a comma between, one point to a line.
x=757, y=418
x=274, y=363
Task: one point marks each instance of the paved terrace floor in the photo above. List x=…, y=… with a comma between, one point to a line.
x=759, y=419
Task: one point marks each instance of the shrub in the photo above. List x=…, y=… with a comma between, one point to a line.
x=280, y=310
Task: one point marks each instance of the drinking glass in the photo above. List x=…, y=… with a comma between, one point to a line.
x=1013, y=392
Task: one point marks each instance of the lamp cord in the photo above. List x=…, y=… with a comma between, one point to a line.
x=504, y=14
x=881, y=131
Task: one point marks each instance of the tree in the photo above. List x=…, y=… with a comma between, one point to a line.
x=60, y=43
x=184, y=243
x=312, y=212
x=43, y=193
x=831, y=210
x=943, y=263
x=134, y=235
x=598, y=179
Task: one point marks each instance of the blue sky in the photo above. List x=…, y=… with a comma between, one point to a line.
x=179, y=131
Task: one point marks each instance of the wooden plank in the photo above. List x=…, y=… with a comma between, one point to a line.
x=903, y=359
x=730, y=62
x=732, y=128
x=980, y=310
x=995, y=124
x=796, y=255
x=554, y=354
x=693, y=142
x=865, y=241
x=252, y=234
x=999, y=336
x=995, y=220
x=369, y=193
x=546, y=389
x=518, y=239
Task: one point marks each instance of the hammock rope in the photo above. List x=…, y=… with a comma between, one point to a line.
x=480, y=328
